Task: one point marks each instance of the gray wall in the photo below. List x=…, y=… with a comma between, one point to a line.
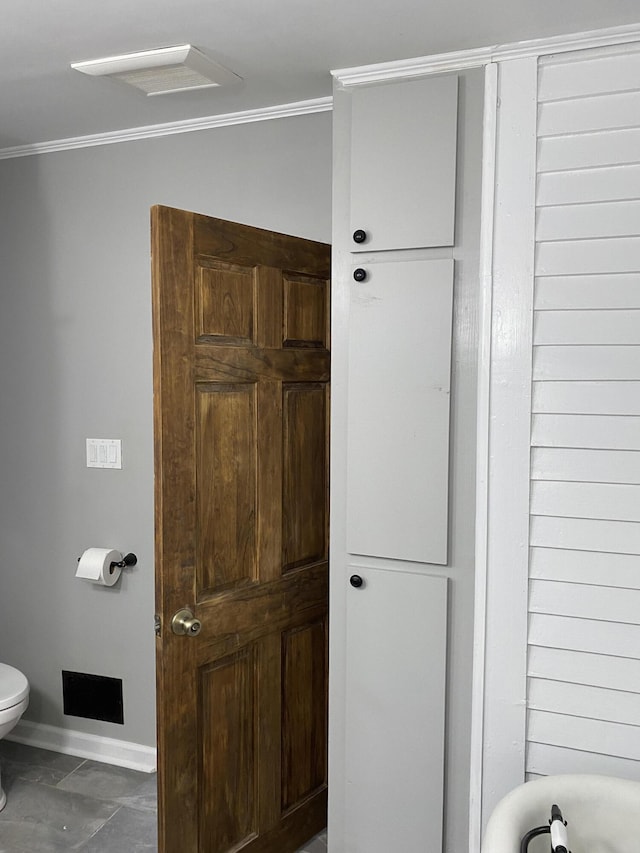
x=75, y=362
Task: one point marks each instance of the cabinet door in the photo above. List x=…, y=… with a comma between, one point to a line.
x=398, y=410
x=395, y=707
x=403, y=164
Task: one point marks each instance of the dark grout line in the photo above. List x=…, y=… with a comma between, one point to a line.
x=60, y=781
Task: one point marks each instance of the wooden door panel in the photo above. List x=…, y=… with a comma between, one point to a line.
x=305, y=311
x=261, y=763
x=233, y=363
x=260, y=609
x=304, y=474
x=226, y=493
x=227, y=758
x=304, y=733
x=241, y=244
x=292, y=831
x=241, y=368
x=225, y=302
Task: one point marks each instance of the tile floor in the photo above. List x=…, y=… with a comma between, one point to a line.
x=57, y=803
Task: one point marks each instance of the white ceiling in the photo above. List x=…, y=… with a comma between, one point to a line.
x=283, y=49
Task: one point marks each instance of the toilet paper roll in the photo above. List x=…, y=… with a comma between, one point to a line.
x=95, y=566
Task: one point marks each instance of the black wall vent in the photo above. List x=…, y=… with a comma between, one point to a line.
x=96, y=697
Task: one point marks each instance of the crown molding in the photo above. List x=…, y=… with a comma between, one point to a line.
x=475, y=57
x=317, y=105
x=417, y=67
x=347, y=77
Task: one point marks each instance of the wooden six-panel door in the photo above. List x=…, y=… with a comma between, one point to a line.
x=241, y=387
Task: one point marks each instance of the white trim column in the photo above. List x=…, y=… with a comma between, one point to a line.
x=482, y=461
x=507, y=507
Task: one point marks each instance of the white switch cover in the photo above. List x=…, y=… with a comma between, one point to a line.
x=104, y=453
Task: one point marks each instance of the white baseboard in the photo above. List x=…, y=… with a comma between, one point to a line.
x=135, y=756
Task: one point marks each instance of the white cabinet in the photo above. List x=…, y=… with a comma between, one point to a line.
x=398, y=410
x=394, y=179
x=403, y=164
x=395, y=712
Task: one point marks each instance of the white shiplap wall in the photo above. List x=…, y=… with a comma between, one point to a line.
x=584, y=595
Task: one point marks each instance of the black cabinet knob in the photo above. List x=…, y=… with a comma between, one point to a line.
x=356, y=580
x=359, y=236
x=359, y=274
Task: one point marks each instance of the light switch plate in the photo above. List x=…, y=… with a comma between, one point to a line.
x=104, y=453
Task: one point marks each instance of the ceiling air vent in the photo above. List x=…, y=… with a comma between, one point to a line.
x=158, y=72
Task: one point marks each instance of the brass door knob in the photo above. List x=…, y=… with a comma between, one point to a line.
x=184, y=622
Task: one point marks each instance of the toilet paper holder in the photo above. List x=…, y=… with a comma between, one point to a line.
x=127, y=560
x=103, y=566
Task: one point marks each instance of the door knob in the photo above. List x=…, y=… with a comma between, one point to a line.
x=356, y=580
x=359, y=274
x=184, y=622
x=359, y=236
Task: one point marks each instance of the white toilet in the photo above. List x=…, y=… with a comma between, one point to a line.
x=14, y=699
